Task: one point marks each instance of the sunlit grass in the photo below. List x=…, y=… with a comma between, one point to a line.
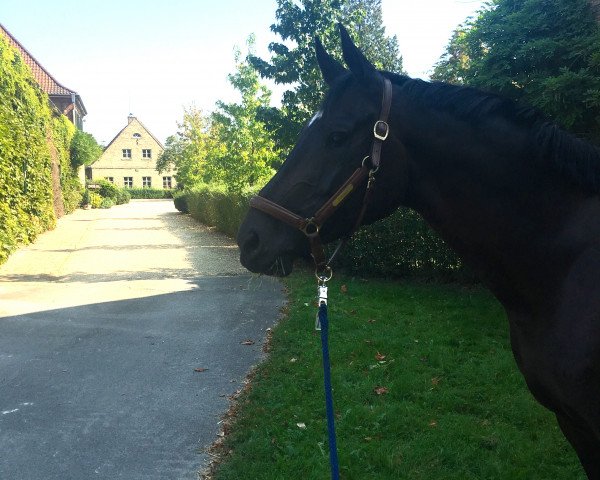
x=456, y=407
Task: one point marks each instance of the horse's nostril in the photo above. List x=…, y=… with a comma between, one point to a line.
x=251, y=242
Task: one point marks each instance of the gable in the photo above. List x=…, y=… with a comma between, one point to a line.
x=136, y=138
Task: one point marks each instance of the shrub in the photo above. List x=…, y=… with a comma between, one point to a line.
x=123, y=196
x=107, y=189
x=112, y=192
x=107, y=203
x=215, y=207
x=95, y=200
x=401, y=245
x=150, y=193
x=180, y=200
x=85, y=198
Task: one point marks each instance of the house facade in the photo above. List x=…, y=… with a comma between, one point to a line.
x=129, y=160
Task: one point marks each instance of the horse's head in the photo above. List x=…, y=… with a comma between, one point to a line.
x=330, y=148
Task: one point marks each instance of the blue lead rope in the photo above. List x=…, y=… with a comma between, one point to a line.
x=333, y=458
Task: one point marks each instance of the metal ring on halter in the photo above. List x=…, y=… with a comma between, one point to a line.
x=323, y=278
x=364, y=160
x=311, y=228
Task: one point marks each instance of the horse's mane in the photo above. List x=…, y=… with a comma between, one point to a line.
x=577, y=160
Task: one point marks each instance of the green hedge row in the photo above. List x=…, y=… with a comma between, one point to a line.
x=26, y=201
x=402, y=245
x=215, y=207
x=149, y=193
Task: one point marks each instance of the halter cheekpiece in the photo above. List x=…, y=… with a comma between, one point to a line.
x=311, y=226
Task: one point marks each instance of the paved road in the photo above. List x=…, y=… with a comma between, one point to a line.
x=103, y=322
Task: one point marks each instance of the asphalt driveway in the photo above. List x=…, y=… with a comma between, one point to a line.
x=122, y=333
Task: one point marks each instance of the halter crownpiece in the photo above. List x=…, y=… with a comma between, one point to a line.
x=311, y=226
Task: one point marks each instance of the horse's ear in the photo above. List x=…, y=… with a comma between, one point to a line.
x=330, y=67
x=356, y=61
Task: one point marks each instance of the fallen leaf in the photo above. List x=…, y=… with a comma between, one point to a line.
x=372, y=320
x=433, y=424
x=344, y=289
x=435, y=381
x=248, y=342
x=379, y=357
x=380, y=390
x=293, y=360
x=200, y=370
x=301, y=425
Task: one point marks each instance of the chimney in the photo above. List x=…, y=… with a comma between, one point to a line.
x=130, y=118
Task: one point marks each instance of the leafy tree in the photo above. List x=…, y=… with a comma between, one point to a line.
x=186, y=151
x=543, y=52
x=293, y=60
x=242, y=153
x=84, y=149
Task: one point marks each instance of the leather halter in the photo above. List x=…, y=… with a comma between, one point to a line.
x=311, y=226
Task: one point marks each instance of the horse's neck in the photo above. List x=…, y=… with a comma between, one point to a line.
x=508, y=218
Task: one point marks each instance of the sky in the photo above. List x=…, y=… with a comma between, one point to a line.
x=155, y=58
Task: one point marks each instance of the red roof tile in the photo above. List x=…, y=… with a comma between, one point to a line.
x=45, y=80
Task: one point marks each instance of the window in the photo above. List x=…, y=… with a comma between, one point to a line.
x=167, y=184
x=137, y=135
x=146, y=153
x=127, y=153
x=146, y=182
x=128, y=182
x=110, y=179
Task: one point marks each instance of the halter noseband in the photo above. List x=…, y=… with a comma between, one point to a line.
x=311, y=226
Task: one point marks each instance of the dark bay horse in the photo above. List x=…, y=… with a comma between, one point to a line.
x=513, y=194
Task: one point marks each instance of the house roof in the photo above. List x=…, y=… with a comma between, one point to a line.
x=46, y=81
x=132, y=118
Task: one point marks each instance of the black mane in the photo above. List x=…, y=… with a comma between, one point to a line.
x=576, y=159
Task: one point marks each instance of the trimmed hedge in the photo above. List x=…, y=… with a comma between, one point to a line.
x=402, y=245
x=215, y=207
x=149, y=193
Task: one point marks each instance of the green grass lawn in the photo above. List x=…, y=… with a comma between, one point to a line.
x=456, y=407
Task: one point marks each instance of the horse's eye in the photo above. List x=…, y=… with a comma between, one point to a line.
x=336, y=138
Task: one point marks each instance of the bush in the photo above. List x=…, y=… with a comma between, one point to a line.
x=402, y=245
x=112, y=192
x=215, y=207
x=107, y=203
x=95, y=200
x=123, y=196
x=107, y=189
x=180, y=200
x=150, y=193
x=85, y=198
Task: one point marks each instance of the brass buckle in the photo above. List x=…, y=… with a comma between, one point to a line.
x=386, y=128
